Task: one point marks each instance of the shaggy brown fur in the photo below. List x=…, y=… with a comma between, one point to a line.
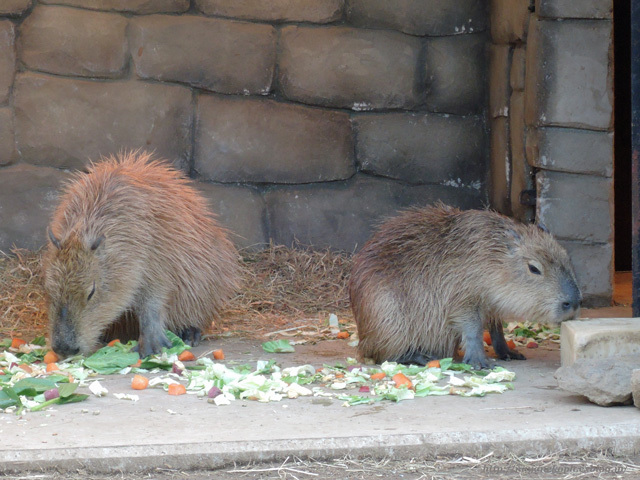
x=433, y=278
x=133, y=239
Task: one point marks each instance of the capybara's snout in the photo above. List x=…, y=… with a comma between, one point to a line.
x=571, y=299
x=63, y=336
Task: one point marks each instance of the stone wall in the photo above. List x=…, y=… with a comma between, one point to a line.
x=303, y=120
x=551, y=120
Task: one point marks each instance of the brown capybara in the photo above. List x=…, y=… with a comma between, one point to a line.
x=133, y=239
x=431, y=279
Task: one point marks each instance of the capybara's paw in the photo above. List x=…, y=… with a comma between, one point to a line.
x=413, y=358
x=190, y=335
x=152, y=344
x=478, y=362
x=513, y=355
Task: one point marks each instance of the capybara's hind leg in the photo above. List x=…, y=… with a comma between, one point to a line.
x=503, y=352
x=190, y=335
x=152, y=328
x=414, y=358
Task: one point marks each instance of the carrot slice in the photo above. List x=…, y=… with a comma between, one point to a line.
x=139, y=382
x=378, y=376
x=177, y=389
x=50, y=357
x=433, y=364
x=218, y=354
x=16, y=342
x=511, y=344
x=113, y=342
x=52, y=367
x=486, y=336
x=186, y=356
x=401, y=379
x=343, y=335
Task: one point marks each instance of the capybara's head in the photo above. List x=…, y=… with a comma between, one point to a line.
x=540, y=276
x=78, y=291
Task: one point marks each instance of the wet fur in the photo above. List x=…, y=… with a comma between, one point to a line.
x=138, y=230
x=432, y=279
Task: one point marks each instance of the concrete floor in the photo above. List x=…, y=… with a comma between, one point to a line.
x=106, y=434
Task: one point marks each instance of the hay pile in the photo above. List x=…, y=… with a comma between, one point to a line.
x=283, y=288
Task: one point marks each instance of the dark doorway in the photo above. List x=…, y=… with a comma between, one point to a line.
x=622, y=139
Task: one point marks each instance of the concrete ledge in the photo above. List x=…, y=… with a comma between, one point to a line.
x=621, y=439
x=599, y=338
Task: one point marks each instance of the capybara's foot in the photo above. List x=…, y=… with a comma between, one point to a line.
x=511, y=355
x=478, y=360
x=190, y=336
x=152, y=344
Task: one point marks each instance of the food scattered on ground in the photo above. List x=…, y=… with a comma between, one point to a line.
x=343, y=334
x=278, y=346
x=433, y=364
x=486, y=336
x=139, y=382
x=218, y=354
x=186, y=356
x=177, y=389
x=50, y=357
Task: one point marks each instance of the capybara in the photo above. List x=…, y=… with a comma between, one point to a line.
x=132, y=239
x=431, y=279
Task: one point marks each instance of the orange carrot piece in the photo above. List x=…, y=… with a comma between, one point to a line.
x=401, y=379
x=177, y=389
x=113, y=342
x=486, y=336
x=218, y=354
x=433, y=364
x=139, y=382
x=16, y=342
x=343, y=334
x=511, y=344
x=52, y=367
x=137, y=364
x=378, y=376
x=50, y=357
x=186, y=356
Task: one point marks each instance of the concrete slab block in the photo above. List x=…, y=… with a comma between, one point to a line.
x=635, y=387
x=599, y=338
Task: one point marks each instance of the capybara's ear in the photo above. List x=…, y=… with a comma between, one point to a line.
x=53, y=239
x=97, y=242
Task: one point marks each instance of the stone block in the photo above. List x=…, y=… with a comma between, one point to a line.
x=419, y=148
x=7, y=58
x=128, y=6
x=517, y=74
x=346, y=67
x=341, y=215
x=500, y=166
x=239, y=209
x=313, y=11
x=599, y=338
x=420, y=17
x=571, y=150
x=25, y=212
x=64, y=123
x=593, y=264
x=215, y=54
x=7, y=143
x=575, y=207
x=69, y=41
x=455, y=74
x=635, y=387
x=509, y=20
x=574, y=9
x=569, y=74
x=14, y=7
x=605, y=382
x=258, y=140
x=499, y=70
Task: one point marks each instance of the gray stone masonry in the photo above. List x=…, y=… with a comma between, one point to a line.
x=635, y=387
x=575, y=207
x=517, y=74
x=347, y=67
x=129, y=6
x=571, y=150
x=569, y=74
x=14, y=7
x=499, y=69
x=25, y=212
x=500, y=170
x=7, y=58
x=69, y=41
x=574, y=8
x=64, y=122
x=7, y=143
x=593, y=264
x=422, y=148
x=420, y=17
x=314, y=11
x=241, y=210
x=349, y=209
x=260, y=140
x=220, y=55
x=509, y=20
x=455, y=74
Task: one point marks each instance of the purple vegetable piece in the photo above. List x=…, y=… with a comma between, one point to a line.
x=176, y=369
x=353, y=367
x=214, y=392
x=364, y=389
x=51, y=394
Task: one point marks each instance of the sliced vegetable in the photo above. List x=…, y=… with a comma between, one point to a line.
x=400, y=379
x=177, y=389
x=186, y=356
x=139, y=382
x=218, y=354
x=50, y=357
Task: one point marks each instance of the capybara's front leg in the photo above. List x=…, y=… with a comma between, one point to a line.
x=152, y=328
x=470, y=328
x=503, y=352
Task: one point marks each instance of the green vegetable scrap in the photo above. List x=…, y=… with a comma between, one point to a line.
x=278, y=346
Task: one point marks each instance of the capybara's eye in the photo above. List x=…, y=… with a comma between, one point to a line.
x=535, y=270
x=93, y=290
